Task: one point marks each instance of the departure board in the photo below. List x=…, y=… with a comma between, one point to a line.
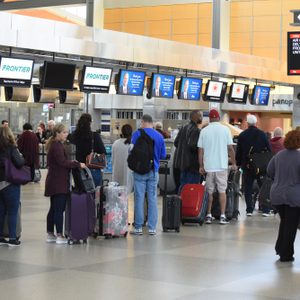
x=293, y=53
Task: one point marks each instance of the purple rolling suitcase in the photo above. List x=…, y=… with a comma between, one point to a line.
x=80, y=217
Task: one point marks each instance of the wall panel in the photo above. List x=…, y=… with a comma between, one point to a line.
x=159, y=27
x=189, y=39
x=184, y=27
x=155, y=13
x=184, y=11
x=240, y=24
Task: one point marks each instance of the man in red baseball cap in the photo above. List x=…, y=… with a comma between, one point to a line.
x=215, y=143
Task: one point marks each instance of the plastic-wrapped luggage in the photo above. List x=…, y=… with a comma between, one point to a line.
x=113, y=212
x=194, y=203
x=80, y=217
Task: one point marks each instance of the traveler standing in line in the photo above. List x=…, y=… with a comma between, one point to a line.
x=284, y=169
x=215, y=145
x=147, y=182
x=120, y=149
x=85, y=141
x=28, y=144
x=277, y=142
x=186, y=153
x=256, y=140
x=49, y=130
x=57, y=185
x=4, y=123
x=9, y=192
x=159, y=128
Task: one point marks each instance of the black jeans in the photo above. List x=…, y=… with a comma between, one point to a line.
x=289, y=219
x=56, y=213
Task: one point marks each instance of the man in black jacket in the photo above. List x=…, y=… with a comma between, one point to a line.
x=186, y=154
x=256, y=140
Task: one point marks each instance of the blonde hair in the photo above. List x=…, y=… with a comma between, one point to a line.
x=6, y=137
x=58, y=128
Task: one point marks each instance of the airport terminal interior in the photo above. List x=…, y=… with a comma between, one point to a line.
x=118, y=60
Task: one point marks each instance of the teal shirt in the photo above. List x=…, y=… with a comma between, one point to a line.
x=214, y=139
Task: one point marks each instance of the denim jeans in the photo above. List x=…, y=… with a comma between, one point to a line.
x=187, y=177
x=56, y=213
x=9, y=205
x=142, y=184
x=248, y=188
x=97, y=176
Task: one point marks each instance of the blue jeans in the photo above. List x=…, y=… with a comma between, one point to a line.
x=187, y=177
x=142, y=184
x=248, y=188
x=55, y=215
x=9, y=205
x=97, y=176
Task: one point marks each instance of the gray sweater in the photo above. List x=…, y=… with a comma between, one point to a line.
x=284, y=168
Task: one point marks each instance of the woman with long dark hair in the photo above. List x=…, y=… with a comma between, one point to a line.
x=9, y=192
x=120, y=149
x=85, y=141
x=57, y=185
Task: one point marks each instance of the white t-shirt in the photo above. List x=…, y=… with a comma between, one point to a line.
x=214, y=139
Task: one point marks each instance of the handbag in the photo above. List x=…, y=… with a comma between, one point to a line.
x=83, y=180
x=264, y=192
x=15, y=175
x=258, y=162
x=95, y=160
x=37, y=175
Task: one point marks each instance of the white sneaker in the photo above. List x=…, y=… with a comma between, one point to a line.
x=266, y=214
x=51, y=238
x=249, y=214
x=61, y=240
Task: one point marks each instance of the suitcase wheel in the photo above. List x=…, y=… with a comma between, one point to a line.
x=107, y=236
x=84, y=241
x=125, y=234
x=182, y=223
x=70, y=242
x=201, y=223
x=165, y=229
x=178, y=229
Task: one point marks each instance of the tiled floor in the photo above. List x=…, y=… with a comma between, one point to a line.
x=233, y=262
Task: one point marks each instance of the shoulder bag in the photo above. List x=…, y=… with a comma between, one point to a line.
x=95, y=160
x=15, y=175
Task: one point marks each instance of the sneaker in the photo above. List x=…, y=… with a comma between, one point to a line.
x=3, y=242
x=152, y=232
x=266, y=214
x=51, y=238
x=61, y=240
x=14, y=243
x=223, y=221
x=208, y=220
x=137, y=231
x=249, y=214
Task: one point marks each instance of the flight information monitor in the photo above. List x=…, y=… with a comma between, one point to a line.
x=162, y=85
x=260, y=95
x=215, y=91
x=190, y=88
x=293, y=54
x=238, y=93
x=131, y=83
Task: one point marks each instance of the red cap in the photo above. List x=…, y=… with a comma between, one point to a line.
x=214, y=114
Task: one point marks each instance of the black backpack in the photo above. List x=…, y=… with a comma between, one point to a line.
x=140, y=159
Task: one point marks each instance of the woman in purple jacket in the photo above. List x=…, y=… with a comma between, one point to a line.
x=284, y=169
x=57, y=185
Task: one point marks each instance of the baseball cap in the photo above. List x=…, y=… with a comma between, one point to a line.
x=251, y=119
x=214, y=114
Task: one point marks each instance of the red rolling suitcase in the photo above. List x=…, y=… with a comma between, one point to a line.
x=194, y=203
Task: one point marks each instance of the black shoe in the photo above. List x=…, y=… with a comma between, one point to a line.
x=3, y=242
x=14, y=243
x=287, y=259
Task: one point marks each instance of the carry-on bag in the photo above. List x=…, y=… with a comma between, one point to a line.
x=171, y=206
x=80, y=217
x=19, y=225
x=194, y=203
x=113, y=212
x=83, y=180
x=232, y=198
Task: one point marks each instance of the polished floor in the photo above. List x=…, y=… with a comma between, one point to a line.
x=235, y=262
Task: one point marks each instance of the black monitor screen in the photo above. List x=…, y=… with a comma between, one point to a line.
x=131, y=83
x=215, y=91
x=260, y=95
x=58, y=76
x=95, y=79
x=162, y=85
x=293, y=53
x=238, y=93
x=16, y=71
x=190, y=88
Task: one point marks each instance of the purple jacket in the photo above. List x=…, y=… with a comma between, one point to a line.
x=58, y=177
x=277, y=144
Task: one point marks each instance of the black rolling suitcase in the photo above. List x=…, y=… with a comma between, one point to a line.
x=171, y=215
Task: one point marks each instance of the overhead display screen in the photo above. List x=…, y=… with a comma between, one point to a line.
x=58, y=76
x=190, y=88
x=162, y=85
x=238, y=93
x=260, y=95
x=95, y=79
x=131, y=83
x=215, y=91
x=15, y=71
x=293, y=53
